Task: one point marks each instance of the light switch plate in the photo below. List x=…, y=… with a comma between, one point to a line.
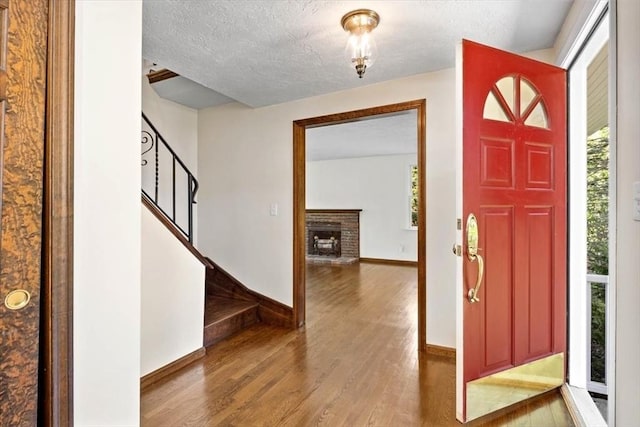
x=273, y=209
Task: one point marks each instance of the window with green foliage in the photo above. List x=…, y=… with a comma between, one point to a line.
x=598, y=202
x=598, y=244
x=413, y=198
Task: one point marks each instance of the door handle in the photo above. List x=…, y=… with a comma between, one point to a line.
x=473, y=292
x=473, y=255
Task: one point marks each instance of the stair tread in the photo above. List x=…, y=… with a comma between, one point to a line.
x=220, y=308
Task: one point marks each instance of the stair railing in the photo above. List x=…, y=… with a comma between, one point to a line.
x=169, y=184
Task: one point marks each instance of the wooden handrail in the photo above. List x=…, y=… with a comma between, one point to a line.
x=172, y=228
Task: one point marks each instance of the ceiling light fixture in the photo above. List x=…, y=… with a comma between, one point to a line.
x=361, y=48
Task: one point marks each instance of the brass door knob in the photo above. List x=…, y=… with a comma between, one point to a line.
x=15, y=300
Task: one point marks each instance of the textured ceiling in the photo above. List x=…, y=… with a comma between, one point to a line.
x=187, y=92
x=375, y=136
x=267, y=52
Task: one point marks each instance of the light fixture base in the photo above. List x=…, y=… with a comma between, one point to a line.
x=360, y=20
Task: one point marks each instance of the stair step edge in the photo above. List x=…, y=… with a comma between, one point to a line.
x=238, y=312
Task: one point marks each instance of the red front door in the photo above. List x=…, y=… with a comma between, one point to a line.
x=514, y=184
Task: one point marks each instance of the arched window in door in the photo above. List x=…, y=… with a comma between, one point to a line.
x=515, y=99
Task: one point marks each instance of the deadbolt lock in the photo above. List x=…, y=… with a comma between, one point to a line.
x=17, y=299
x=457, y=250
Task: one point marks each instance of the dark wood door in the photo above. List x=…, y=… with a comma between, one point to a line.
x=23, y=54
x=514, y=184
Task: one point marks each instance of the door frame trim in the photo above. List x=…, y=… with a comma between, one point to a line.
x=55, y=404
x=601, y=14
x=299, y=166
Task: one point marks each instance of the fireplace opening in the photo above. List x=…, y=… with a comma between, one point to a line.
x=323, y=239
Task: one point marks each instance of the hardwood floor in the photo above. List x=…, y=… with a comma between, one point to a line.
x=354, y=364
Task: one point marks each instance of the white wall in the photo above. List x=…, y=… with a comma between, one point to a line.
x=178, y=125
x=380, y=186
x=172, y=297
x=106, y=317
x=246, y=163
x=172, y=278
x=628, y=231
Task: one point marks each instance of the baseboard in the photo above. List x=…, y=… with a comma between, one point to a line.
x=390, y=261
x=438, y=350
x=270, y=311
x=172, y=367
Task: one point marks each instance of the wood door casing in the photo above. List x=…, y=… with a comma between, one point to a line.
x=514, y=181
x=299, y=130
x=56, y=334
x=22, y=194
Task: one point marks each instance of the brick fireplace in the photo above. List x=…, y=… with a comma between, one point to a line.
x=333, y=235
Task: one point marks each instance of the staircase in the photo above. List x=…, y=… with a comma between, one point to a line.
x=230, y=306
x=224, y=317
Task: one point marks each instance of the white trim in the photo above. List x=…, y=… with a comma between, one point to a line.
x=577, y=226
x=579, y=331
x=582, y=409
x=581, y=19
x=579, y=315
x=597, y=278
x=597, y=387
x=459, y=283
x=613, y=225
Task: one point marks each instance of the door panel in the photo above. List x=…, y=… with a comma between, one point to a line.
x=24, y=59
x=539, y=282
x=513, y=180
x=496, y=225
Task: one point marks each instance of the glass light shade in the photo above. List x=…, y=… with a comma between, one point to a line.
x=361, y=52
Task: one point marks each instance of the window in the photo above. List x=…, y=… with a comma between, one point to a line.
x=501, y=104
x=413, y=196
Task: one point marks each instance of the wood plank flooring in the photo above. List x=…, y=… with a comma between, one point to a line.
x=355, y=363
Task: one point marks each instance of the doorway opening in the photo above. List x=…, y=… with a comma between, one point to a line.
x=591, y=308
x=299, y=200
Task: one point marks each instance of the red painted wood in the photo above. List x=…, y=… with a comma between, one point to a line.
x=514, y=181
x=496, y=225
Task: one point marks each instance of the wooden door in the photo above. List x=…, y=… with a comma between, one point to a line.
x=23, y=53
x=514, y=189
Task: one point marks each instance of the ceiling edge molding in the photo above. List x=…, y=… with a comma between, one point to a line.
x=576, y=28
x=160, y=75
